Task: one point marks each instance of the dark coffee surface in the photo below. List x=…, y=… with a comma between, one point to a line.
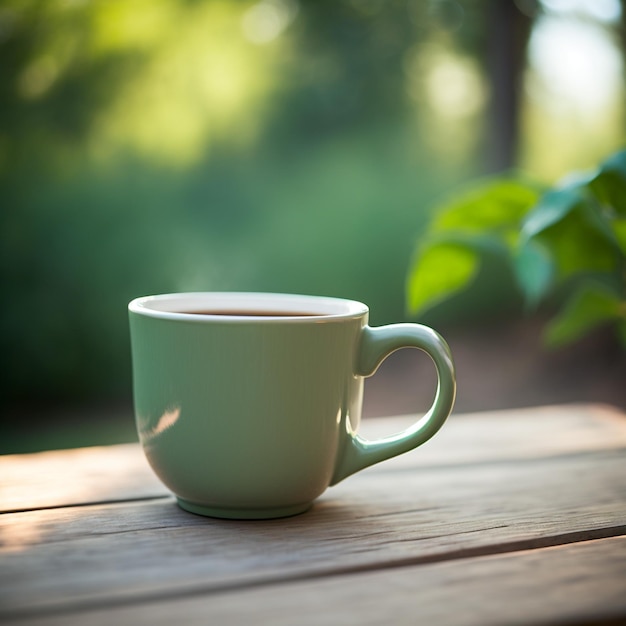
x=252, y=313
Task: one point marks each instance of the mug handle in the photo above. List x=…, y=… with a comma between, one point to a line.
x=375, y=346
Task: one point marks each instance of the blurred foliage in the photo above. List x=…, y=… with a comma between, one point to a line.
x=564, y=246
x=171, y=145
x=149, y=146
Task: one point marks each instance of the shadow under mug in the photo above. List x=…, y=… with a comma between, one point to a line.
x=248, y=405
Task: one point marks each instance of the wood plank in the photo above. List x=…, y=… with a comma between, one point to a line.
x=573, y=584
x=59, y=559
x=78, y=476
x=512, y=434
x=117, y=473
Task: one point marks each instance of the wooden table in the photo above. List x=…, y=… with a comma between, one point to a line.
x=514, y=517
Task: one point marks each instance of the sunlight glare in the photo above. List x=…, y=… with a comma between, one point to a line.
x=266, y=20
x=140, y=25
x=71, y=477
x=601, y=10
x=451, y=83
x=576, y=63
x=574, y=107
x=201, y=80
x=453, y=90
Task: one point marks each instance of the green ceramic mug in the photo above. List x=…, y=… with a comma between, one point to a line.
x=248, y=405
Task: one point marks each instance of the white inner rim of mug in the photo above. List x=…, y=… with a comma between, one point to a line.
x=300, y=308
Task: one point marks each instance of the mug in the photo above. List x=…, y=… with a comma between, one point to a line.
x=248, y=405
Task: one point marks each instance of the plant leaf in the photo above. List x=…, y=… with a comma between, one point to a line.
x=599, y=220
x=495, y=207
x=609, y=187
x=577, y=246
x=619, y=229
x=553, y=207
x=441, y=269
x=534, y=270
x=590, y=306
x=609, y=184
x=483, y=220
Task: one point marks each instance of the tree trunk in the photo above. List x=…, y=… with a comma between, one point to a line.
x=506, y=42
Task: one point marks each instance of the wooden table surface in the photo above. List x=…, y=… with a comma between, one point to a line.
x=515, y=517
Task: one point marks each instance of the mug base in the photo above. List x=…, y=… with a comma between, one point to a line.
x=251, y=514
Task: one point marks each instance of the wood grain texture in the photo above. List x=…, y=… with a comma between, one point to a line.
x=573, y=584
x=74, y=557
x=118, y=473
x=95, y=530
x=73, y=477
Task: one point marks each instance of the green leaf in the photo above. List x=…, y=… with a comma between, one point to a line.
x=599, y=220
x=441, y=269
x=591, y=305
x=570, y=234
x=577, y=246
x=609, y=187
x=534, y=270
x=495, y=207
x=616, y=163
x=482, y=221
x=553, y=207
x=619, y=229
x=609, y=184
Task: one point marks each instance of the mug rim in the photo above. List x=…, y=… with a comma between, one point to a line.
x=323, y=308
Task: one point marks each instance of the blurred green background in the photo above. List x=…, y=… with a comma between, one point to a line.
x=149, y=146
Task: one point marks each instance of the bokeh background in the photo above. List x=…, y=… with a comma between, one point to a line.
x=149, y=146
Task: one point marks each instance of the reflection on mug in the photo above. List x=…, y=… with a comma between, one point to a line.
x=148, y=432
